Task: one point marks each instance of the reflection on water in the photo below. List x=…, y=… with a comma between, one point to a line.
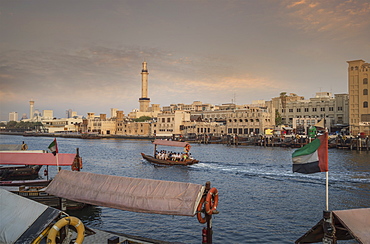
x=90, y=214
x=261, y=199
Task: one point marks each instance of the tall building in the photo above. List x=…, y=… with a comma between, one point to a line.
x=144, y=100
x=358, y=89
x=13, y=116
x=32, y=103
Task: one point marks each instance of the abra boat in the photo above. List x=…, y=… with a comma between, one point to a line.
x=156, y=160
x=34, y=189
x=26, y=172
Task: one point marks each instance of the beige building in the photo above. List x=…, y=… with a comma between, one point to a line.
x=61, y=125
x=100, y=124
x=169, y=124
x=299, y=112
x=127, y=127
x=358, y=88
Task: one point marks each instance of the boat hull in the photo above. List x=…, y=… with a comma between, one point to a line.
x=30, y=172
x=168, y=162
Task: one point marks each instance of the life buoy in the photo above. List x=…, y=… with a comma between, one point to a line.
x=63, y=222
x=211, y=200
x=200, y=218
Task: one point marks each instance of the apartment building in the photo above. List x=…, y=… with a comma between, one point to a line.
x=358, y=88
x=62, y=125
x=300, y=112
x=100, y=124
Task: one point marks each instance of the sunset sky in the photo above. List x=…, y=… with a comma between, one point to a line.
x=86, y=55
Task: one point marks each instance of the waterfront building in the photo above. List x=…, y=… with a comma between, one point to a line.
x=359, y=98
x=227, y=119
x=170, y=123
x=64, y=125
x=13, y=116
x=47, y=114
x=127, y=127
x=196, y=106
x=100, y=124
x=301, y=113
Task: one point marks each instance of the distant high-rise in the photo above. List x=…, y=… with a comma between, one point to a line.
x=31, y=108
x=359, y=98
x=144, y=100
x=13, y=116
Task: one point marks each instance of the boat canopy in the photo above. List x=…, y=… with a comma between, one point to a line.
x=23, y=220
x=29, y=158
x=170, y=143
x=10, y=147
x=349, y=224
x=130, y=194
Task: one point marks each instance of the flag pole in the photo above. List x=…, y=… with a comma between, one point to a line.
x=58, y=162
x=327, y=190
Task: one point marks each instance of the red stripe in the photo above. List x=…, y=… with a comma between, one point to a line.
x=323, y=153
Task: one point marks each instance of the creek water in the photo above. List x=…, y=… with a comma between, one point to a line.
x=260, y=199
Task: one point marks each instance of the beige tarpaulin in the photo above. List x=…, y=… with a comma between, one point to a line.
x=349, y=224
x=130, y=194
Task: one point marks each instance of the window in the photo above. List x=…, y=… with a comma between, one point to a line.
x=331, y=109
x=366, y=104
x=290, y=110
x=365, y=81
x=306, y=109
x=340, y=108
x=298, y=110
x=314, y=109
x=365, y=92
x=322, y=109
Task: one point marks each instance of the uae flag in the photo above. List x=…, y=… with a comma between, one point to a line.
x=313, y=157
x=53, y=147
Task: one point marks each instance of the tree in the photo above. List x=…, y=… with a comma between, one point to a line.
x=278, y=118
x=143, y=119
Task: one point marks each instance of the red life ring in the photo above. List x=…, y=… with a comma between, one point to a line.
x=201, y=219
x=211, y=201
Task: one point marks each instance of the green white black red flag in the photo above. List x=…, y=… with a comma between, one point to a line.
x=53, y=147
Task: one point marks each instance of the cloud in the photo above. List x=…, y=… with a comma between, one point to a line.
x=341, y=19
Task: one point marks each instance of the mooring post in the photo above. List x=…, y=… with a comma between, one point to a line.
x=208, y=217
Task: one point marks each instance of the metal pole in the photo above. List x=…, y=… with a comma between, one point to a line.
x=327, y=190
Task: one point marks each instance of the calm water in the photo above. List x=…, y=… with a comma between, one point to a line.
x=261, y=200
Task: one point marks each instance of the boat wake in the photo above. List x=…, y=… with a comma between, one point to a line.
x=283, y=173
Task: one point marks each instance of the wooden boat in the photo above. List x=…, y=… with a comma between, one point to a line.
x=155, y=160
x=168, y=162
x=26, y=172
x=37, y=193
x=35, y=189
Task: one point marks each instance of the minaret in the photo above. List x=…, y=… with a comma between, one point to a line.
x=31, y=109
x=144, y=100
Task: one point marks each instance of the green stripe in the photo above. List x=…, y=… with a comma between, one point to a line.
x=307, y=149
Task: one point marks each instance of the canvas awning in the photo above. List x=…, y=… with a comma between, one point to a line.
x=22, y=220
x=170, y=143
x=29, y=158
x=349, y=224
x=130, y=194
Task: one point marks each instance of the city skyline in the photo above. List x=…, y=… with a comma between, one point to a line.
x=87, y=55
